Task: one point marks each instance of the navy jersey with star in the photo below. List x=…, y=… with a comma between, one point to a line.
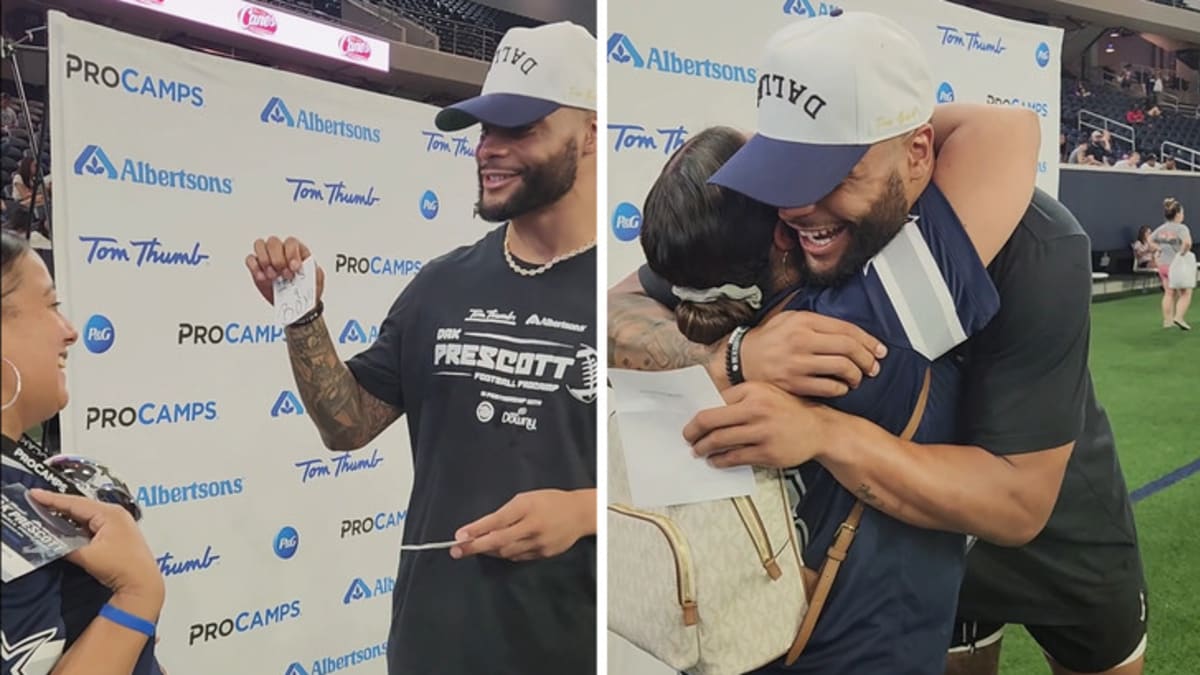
x=43, y=612
x=891, y=608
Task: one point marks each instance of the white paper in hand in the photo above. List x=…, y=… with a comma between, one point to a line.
x=296, y=297
x=652, y=410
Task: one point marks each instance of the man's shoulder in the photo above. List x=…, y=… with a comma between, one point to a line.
x=463, y=258
x=1047, y=224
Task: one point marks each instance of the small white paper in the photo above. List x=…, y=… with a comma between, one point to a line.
x=296, y=297
x=433, y=545
x=652, y=410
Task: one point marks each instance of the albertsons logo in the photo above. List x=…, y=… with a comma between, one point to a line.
x=94, y=161
x=361, y=590
x=331, y=664
x=277, y=112
x=287, y=404
x=809, y=9
x=622, y=50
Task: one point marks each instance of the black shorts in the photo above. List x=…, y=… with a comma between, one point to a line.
x=1116, y=636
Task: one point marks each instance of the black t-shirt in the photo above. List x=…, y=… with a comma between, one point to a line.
x=1027, y=387
x=497, y=373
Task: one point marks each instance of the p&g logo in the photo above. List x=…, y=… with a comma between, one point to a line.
x=145, y=251
x=133, y=82
x=361, y=590
x=98, y=334
x=945, y=93
x=277, y=112
x=458, y=146
x=1042, y=55
x=621, y=50
x=93, y=161
x=626, y=222
x=150, y=414
x=287, y=404
x=286, y=543
x=429, y=205
x=637, y=137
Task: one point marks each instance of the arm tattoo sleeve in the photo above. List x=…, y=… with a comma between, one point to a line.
x=346, y=415
x=642, y=335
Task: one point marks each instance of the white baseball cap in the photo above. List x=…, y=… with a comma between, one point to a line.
x=829, y=87
x=535, y=71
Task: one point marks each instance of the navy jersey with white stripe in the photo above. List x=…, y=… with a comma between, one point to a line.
x=892, y=606
x=42, y=613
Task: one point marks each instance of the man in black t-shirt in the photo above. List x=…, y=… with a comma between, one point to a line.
x=490, y=353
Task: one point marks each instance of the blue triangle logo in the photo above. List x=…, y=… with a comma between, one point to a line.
x=353, y=332
x=276, y=112
x=93, y=162
x=358, y=591
x=295, y=669
x=621, y=50
x=287, y=404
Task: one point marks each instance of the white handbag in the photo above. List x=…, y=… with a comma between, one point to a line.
x=719, y=587
x=1182, y=271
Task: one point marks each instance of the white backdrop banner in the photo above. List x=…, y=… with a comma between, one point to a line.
x=668, y=77
x=279, y=555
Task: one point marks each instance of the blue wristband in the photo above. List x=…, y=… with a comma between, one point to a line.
x=123, y=618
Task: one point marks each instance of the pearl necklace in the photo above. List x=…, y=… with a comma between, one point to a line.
x=533, y=272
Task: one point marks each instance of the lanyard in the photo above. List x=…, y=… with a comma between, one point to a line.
x=33, y=457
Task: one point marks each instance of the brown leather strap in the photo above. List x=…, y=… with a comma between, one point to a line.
x=841, y=544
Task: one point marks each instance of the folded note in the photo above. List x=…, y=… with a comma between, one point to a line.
x=652, y=409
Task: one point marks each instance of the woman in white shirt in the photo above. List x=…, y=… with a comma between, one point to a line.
x=1172, y=238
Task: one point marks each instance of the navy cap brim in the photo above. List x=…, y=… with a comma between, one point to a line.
x=785, y=174
x=498, y=110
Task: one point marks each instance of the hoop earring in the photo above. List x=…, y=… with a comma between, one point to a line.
x=17, y=393
x=785, y=255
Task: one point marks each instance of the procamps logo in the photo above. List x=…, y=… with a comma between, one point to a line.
x=332, y=664
x=331, y=193
x=621, y=50
x=94, y=161
x=98, y=334
x=342, y=464
x=1042, y=108
x=1042, y=55
x=430, y=205
x=131, y=81
x=807, y=9
x=150, y=414
x=361, y=590
x=141, y=252
x=945, y=93
x=243, y=622
x=353, y=333
x=286, y=543
x=626, y=222
x=171, y=566
x=385, y=520
x=971, y=41
x=287, y=404
x=233, y=333
x=456, y=146
x=277, y=112
x=637, y=137
x=162, y=495
x=346, y=263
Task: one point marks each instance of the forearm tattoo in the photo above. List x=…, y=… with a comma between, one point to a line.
x=346, y=415
x=642, y=335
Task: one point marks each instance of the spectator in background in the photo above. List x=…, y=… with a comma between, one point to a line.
x=1151, y=164
x=1081, y=90
x=1080, y=155
x=1135, y=115
x=1129, y=161
x=1154, y=112
x=22, y=181
x=1144, y=250
x=1101, y=147
x=1158, y=87
x=8, y=113
x=1172, y=238
x=1169, y=164
x=1062, y=147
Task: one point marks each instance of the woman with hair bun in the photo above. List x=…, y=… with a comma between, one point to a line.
x=1172, y=238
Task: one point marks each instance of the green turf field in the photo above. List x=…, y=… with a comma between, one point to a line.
x=1144, y=375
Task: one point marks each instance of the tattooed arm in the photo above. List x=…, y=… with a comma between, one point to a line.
x=642, y=335
x=346, y=415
